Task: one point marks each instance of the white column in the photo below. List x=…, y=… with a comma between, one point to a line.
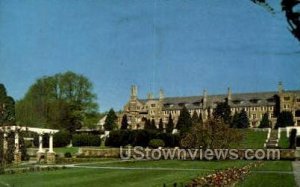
x=40, y=143
x=5, y=141
x=50, y=142
x=16, y=141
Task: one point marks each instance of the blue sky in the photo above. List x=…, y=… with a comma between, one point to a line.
x=181, y=46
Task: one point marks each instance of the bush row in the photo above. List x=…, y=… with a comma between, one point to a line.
x=62, y=139
x=142, y=138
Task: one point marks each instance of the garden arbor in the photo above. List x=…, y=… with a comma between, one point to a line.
x=49, y=155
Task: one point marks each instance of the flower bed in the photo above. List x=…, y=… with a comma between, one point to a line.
x=227, y=177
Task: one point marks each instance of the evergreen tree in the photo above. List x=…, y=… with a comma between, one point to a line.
x=235, y=120
x=200, y=119
x=184, y=121
x=124, y=123
x=170, y=124
x=265, y=122
x=285, y=119
x=223, y=111
x=153, y=125
x=243, y=120
x=147, y=124
x=195, y=118
x=110, y=121
x=161, y=125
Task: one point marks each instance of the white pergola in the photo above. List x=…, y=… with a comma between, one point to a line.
x=39, y=131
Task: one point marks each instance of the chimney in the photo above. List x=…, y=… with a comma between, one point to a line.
x=204, y=98
x=161, y=94
x=229, y=94
x=280, y=87
x=133, y=92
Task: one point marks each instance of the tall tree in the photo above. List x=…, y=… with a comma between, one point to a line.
x=153, y=125
x=223, y=112
x=147, y=124
x=265, y=122
x=200, y=119
x=170, y=124
x=195, y=118
x=235, y=120
x=243, y=120
x=124, y=123
x=63, y=101
x=184, y=122
x=111, y=120
x=285, y=119
x=161, y=125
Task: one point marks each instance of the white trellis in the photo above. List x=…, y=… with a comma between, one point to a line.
x=39, y=131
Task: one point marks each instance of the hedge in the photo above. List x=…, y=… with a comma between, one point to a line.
x=86, y=140
x=142, y=138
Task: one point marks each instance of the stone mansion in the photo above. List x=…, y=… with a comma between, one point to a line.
x=255, y=104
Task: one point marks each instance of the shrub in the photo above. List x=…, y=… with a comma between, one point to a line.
x=292, y=138
x=68, y=155
x=61, y=139
x=155, y=143
x=298, y=141
x=86, y=140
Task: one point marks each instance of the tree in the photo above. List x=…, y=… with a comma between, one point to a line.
x=240, y=120
x=63, y=101
x=170, y=124
x=214, y=134
x=153, y=125
x=195, y=118
x=291, y=13
x=184, y=122
x=7, y=118
x=243, y=120
x=110, y=121
x=223, y=111
x=161, y=125
x=200, y=119
x=285, y=119
x=124, y=123
x=265, y=122
x=147, y=124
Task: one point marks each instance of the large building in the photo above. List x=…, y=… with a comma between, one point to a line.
x=255, y=104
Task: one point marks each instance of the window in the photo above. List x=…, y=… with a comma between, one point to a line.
x=153, y=105
x=298, y=100
x=286, y=98
x=254, y=116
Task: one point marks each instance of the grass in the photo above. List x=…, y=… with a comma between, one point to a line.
x=283, y=141
x=252, y=139
x=259, y=178
x=118, y=177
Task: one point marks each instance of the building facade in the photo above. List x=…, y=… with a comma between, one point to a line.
x=255, y=104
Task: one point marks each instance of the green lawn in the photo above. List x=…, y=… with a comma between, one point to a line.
x=252, y=139
x=283, y=141
x=142, y=173
x=260, y=177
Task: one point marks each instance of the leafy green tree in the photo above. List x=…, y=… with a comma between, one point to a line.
x=7, y=118
x=223, y=111
x=184, y=122
x=161, y=125
x=285, y=119
x=195, y=118
x=63, y=101
x=111, y=121
x=235, y=120
x=170, y=124
x=124, y=123
x=265, y=122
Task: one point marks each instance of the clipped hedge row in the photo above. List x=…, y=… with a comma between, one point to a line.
x=142, y=138
x=86, y=140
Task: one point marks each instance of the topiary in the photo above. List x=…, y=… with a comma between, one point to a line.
x=155, y=143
